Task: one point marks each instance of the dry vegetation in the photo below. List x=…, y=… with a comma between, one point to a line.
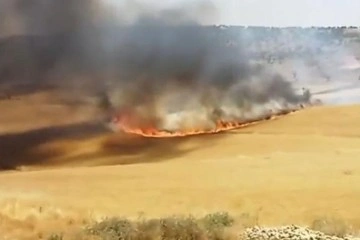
x=64, y=203
x=216, y=226
x=302, y=169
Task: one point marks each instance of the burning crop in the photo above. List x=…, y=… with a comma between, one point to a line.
x=121, y=122
x=178, y=81
x=165, y=121
x=163, y=72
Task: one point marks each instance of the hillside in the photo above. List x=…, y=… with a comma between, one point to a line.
x=295, y=169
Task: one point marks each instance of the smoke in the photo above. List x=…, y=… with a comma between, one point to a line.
x=154, y=61
x=158, y=62
x=34, y=17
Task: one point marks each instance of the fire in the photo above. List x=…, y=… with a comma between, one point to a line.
x=128, y=123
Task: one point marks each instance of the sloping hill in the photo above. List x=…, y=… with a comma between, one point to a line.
x=302, y=167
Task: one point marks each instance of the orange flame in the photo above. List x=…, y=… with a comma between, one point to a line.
x=127, y=122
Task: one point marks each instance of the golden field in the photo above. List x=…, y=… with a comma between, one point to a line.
x=296, y=169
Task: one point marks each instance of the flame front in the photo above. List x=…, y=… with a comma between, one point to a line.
x=129, y=123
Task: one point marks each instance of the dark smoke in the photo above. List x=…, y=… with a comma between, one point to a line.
x=160, y=62
x=41, y=17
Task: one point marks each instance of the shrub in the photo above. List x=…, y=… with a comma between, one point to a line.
x=211, y=226
x=217, y=220
x=113, y=229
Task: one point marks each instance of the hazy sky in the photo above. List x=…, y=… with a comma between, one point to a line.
x=283, y=12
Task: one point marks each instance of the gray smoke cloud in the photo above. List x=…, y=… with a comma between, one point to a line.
x=155, y=62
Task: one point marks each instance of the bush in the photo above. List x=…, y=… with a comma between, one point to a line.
x=181, y=228
x=217, y=220
x=210, y=227
x=113, y=228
